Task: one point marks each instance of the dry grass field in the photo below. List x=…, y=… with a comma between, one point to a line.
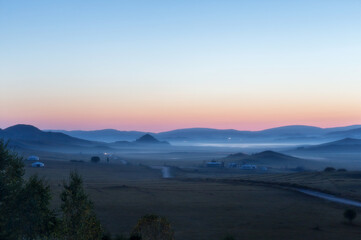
x=201, y=210
x=344, y=184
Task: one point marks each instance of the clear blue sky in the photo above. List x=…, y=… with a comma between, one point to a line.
x=158, y=65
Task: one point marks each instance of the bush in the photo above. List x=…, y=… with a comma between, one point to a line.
x=152, y=227
x=95, y=159
x=350, y=214
x=329, y=169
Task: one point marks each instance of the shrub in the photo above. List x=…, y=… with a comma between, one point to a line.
x=350, y=214
x=95, y=159
x=329, y=169
x=153, y=227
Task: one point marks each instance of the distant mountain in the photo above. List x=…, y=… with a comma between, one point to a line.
x=29, y=137
x=236, y=156
x=208, y=134
x=345, y=145
x=292, y=130
x=295, y=133
x=267, y=158
x=285, y=134
x=105, y=135
x=352, y=133
x=149, y=139
x=336, y=129
x=273, y=156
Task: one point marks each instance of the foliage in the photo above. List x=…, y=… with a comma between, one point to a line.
x=350, y=214
x=79, y=221
x=11, y=183
x=37, y=220
x=24, y=205
x=329, y=169
x=95, y=159
x=153, y=227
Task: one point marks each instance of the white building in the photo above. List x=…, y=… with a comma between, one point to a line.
x=37, y=164
x=33, y=158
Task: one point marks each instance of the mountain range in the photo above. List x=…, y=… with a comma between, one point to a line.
x=294, y=133
x=27, y=137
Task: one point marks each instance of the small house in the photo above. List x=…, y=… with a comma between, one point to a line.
x=37, y=164
x=33, y=158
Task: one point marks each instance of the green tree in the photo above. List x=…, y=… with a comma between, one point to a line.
x=79, y=221
x=37, y=220
x=350, y=214
x=24, y=205
x=153, y=227
x=11, y=182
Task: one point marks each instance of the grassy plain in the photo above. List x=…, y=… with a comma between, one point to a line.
x=201, y=210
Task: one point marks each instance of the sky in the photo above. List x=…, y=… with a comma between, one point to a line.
x=162, y=65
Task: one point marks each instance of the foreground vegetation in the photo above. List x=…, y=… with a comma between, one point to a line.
x=25, y=209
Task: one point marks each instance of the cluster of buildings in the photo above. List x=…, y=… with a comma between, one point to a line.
x=36, y=161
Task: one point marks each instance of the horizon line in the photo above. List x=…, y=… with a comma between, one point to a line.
x=279, y=126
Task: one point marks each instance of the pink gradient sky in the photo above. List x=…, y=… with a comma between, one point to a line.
x=245, y=65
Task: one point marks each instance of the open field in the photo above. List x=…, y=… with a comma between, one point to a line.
x=344, y=184
x=201, y=209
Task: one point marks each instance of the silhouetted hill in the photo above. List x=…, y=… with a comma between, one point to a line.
x=352, y=133
x=292, y=130
x=149, y=139
x=105, y=135
x=344, y=145
x=267, y=158
x=236, y=156
x=280, y=134
x=272, y=155
x=285, y=134
x=29, y=137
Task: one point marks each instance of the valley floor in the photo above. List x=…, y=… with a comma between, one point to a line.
x=203, y=210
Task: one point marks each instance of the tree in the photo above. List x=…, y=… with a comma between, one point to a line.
x=95, y=159
x=79, y=221
x=11, y=182
x=350, y=214
x=24, y=205
x=37, y=220
x=153, y=227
